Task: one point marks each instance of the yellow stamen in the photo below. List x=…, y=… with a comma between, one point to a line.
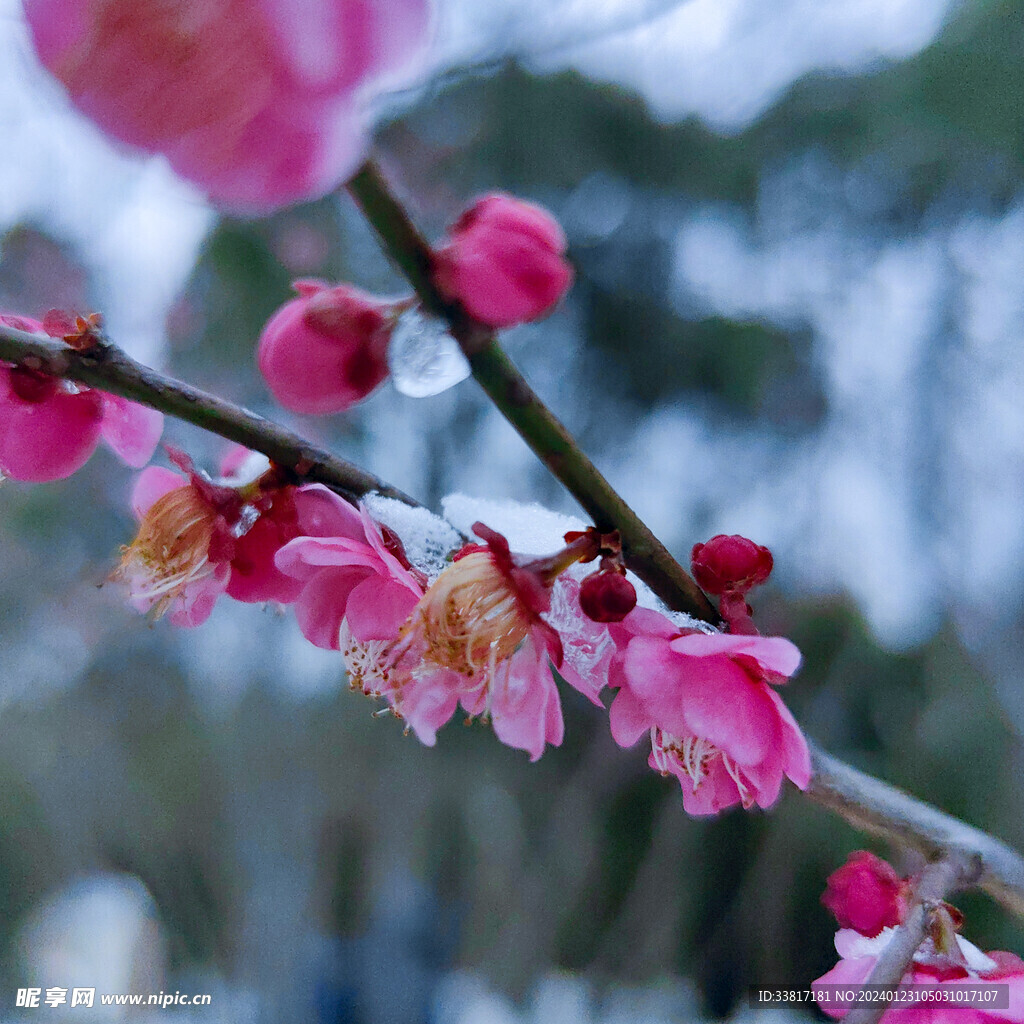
x=171, y=550
x=470, y=620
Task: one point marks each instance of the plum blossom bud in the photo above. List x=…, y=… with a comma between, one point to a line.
x=327, y=349
x=504, y=260
x=730, y=564
x=257, y=101
x=607, y=596
x=866, y=894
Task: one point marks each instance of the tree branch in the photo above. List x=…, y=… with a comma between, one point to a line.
x=108, y=368
x=866, y=802
x=937, y=881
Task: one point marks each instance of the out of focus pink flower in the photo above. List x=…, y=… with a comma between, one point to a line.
x=715, y=722
x=49, y=427
x=866, y=894
x=199, y=539
x=504, y=260
x=257, y=101
x=327, y=349
x=943, y=961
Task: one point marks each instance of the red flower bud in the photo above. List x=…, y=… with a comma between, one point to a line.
x=730, y=564
x=504, y=260
x=866, y=894
x=607, y=596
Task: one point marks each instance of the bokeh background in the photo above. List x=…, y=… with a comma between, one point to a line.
x=798, y=230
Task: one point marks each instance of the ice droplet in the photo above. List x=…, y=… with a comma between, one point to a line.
x=423, y=357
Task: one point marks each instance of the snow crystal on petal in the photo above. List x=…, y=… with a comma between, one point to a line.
x=428, y=540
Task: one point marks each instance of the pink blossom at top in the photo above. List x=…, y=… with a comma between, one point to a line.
x=504, y=260
x=950, y=961
x=49, y=428
x=258, y=101
x=715, y=722
x=866, y=894
x=327, y=349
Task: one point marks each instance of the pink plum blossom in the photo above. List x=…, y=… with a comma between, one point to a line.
x=260, y=102
x=504, y=260
x=866, y=894
x=349, y=569
x=199, y=539
x=476, y=638
x=942, y=961
x=707, y=702
x=327, y=349
x=49, y=427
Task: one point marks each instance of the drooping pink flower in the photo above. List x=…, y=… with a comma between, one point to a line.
x=199, y=539
x=327, y=349
x=944, y=960
x=476, y=638
x=707, y=702
x=866, y=894
x=504, y=260
x=258, y=101
x=49, y=427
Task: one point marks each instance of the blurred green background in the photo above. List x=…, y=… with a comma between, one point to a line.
x=797, y=315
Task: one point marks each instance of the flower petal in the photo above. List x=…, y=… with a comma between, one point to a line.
x=132, y=430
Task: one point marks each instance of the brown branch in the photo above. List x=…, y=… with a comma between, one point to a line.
x=937, y=881
x=106, y=367
x=866, y=802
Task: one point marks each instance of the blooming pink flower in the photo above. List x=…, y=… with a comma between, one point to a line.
x=258, y=101
x=943, y=960
x=49, y=428
x=714, y=720
x=327, y=349
x=476, y=638
x=504, y=260
x=199, y=539
x=866, y=894
x=350, y=568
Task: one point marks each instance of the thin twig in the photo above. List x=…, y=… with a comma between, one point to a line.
x=106, y=367
x=937, y=881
